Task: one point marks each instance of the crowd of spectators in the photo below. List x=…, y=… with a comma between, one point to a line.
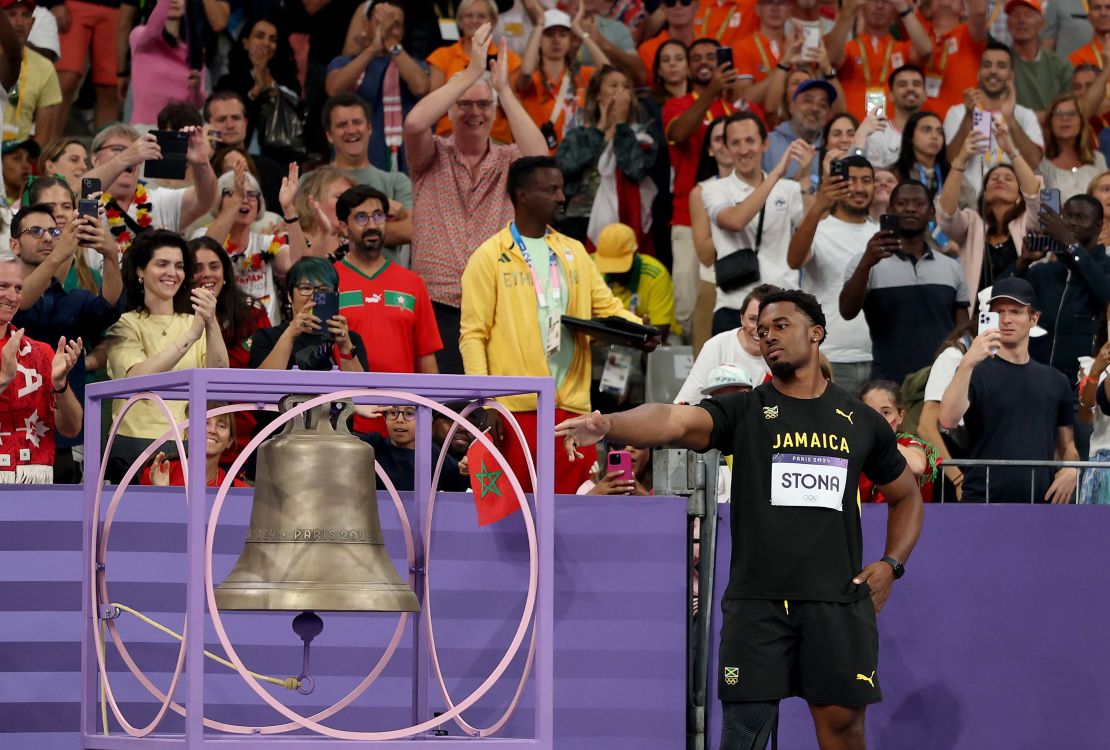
x=461, y=175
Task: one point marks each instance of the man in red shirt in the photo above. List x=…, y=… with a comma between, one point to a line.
x=865, y=63
x=387, y=305
x=30, y=413
x=684, y=121
x=953, y=66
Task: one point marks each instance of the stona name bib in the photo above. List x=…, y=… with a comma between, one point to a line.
x=803, y=481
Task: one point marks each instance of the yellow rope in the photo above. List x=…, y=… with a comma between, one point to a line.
x=289, y=683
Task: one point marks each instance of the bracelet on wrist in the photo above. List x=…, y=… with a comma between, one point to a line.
x=783, y=67
x=63, y=389
x=959, y=167
x=830, y=76
x=906, y=12
x=293, y=220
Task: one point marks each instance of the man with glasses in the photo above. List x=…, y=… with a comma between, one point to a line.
x=384, y=303
x=459, y=181
x=118, y=151
x=54, y=314
x=346, y=119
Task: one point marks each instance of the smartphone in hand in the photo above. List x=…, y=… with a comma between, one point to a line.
x=89, y=186
x=174, y=145
x=325, y=306
x=724, y=56
x=620, y=461
x=888, y=223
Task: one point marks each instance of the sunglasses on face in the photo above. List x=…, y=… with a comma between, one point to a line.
x=362, y=218
x=38, y=232
x=672, y=3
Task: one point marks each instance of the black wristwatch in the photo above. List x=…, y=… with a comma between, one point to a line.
x=899, y=568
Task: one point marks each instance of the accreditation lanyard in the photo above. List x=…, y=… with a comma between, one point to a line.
x=925, y=177
x=720, y=29
x=934, y=79
x=551, y=305
x=763, y=51
x=867, y=65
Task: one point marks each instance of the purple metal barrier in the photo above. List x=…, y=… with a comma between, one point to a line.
x=997, y=637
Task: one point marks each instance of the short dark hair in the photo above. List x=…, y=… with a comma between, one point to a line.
x=804, y=301
x=352, y=198
x=37, y=208
x=859, y=162
x=139, y=255
x=177, y=115
x=903, y=69
x=997, y=46
x=745, y=117
x=704, y=40
x=521, y=171
x=39, y=185
x=907, y=184
x=223, y=96
x=1090, y=200
x=345, y=99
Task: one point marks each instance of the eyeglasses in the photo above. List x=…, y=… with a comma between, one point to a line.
x=474, y=103
x=252, y=195
x=672, y=3
x=114, y=148
x=307, y=290
x=38, y=232
x=1065, y=114
x=362, y=218
x=409, y=415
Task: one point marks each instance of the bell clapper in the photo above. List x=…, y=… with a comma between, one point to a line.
x=307, y=625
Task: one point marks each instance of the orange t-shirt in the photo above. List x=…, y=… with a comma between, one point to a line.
x=647, y=51
x=539, y=99
x=727, y=21
x=451, y=60
x=755, y=56
x=1088, y=54
x=869, y=67
x=955, y=60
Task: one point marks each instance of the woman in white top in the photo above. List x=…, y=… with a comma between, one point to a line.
x=736, y=347
x=1070, y=163
x=168, y=326
x=715, y=162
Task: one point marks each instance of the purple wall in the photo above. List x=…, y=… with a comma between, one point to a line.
x=619, y=601
x=997, y=637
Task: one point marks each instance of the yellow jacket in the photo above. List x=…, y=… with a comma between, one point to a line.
x=500, y=329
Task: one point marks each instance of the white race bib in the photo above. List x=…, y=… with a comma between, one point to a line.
x=804, y=481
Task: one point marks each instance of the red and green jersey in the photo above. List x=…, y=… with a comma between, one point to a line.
x=392, y=312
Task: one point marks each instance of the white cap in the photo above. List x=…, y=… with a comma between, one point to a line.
x=555, y=17
x=726, y=376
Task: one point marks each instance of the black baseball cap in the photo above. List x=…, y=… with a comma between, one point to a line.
x=1019, y=290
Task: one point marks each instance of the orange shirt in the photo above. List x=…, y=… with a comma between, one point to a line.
x=1089, y=54
x=727, y=21
x=451, y=60
x=647, y=51
x=955, y=60
x=539, y=99
x=755, y=56
x=869, y=67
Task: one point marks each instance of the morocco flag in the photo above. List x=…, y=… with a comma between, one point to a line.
x=492, y=494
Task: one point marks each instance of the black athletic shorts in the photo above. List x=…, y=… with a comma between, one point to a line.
x=825, y=652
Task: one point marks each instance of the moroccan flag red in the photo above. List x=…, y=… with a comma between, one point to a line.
x=492, y=494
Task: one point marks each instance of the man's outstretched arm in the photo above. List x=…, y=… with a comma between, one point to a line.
x=647, y=426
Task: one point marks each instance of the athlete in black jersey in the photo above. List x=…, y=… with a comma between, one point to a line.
x=800, y=607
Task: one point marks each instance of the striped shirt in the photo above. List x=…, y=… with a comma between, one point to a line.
x=454, y=211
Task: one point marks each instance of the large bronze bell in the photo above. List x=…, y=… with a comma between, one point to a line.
x=315, y=539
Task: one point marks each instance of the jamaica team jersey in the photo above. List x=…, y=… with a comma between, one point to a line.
x=795, y=511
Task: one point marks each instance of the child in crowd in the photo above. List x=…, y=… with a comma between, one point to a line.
x=885, y=397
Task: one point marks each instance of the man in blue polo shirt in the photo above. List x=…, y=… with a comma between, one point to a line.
x=911, y=297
